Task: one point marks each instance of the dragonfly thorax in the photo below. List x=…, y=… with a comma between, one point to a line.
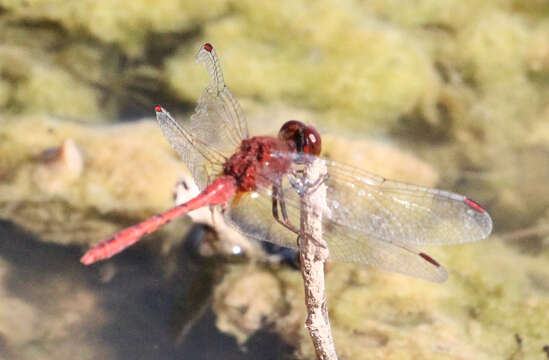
x=255, y=164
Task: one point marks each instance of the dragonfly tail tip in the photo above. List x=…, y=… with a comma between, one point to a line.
x=88, y=259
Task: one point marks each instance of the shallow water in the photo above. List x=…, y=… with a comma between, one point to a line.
x=139, y=310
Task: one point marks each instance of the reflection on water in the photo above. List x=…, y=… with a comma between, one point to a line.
x=53, y=307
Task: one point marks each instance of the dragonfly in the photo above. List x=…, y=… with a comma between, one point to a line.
x=254, y=182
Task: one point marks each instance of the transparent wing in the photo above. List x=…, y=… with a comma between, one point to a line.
x=252, y=215
x=349, y=245
x=218, y=117
x=395, y=211
x=203, y=162
x=214, y=131
x=409, y=214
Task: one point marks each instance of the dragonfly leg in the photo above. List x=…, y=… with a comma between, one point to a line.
x=278, y=197
x=321, y=180
x=303, y=186
x=320, y=243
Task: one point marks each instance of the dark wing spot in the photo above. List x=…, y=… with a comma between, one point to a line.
x=429, y=259
x=208, y=47
x=474, y=205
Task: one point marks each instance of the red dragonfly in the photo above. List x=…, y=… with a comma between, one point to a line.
x=255, y=180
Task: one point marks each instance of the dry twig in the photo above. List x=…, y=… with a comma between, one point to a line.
x=313, y=253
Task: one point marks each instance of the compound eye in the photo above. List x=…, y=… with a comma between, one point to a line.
x=300, y=137
x=314, y=143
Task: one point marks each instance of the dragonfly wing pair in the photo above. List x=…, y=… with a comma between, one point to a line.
x=371, y=220
x=215, y=130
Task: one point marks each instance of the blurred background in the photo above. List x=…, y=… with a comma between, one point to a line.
x=445, y=93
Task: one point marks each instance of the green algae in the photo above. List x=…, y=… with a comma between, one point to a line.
x=68, y=203
x=322, y=74
x=374, y=314
x=125, y=24
x=460, y=67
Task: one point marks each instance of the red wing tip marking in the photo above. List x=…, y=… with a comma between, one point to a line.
x=208, y=47
x=429, y=259
x=474, y=205
x=158, y=109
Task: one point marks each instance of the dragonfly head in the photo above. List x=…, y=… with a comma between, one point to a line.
x=300, y=137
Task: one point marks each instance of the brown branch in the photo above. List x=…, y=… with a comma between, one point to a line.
x=313, y=252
